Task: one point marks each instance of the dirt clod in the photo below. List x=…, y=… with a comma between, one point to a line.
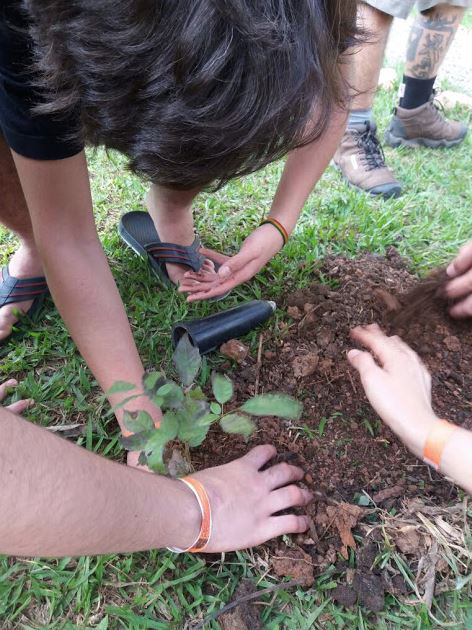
x=370, y=590
x=246, y=615
x=344, y=595
x=407, y=539
x=294, y=563
x=305, y=365
x=294, y=312
x=452, y=343
x=235, y=349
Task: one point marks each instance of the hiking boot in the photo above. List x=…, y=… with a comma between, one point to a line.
x=361, y=160
x=424, y=126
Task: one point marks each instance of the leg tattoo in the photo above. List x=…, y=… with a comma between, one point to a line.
x=429, y=41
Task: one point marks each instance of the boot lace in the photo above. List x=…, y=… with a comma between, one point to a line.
x=371, y=149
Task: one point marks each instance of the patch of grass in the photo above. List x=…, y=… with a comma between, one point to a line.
x=467, y=20
x=158, y=589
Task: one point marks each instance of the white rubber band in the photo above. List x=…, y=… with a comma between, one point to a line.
x=177, y=549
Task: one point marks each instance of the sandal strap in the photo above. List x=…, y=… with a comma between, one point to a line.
x=13, y=290
x=180, y=254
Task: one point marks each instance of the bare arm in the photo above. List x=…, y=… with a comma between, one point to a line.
x=60, y=204
x=62, y=500
x=303, y=169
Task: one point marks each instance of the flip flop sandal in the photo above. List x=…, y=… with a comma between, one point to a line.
x=13, y=290
x=138, y=232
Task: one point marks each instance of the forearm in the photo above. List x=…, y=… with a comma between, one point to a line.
x=88, y=300
x=80, y=280
x=456, y=462
x=303, y=169
x=62, y=500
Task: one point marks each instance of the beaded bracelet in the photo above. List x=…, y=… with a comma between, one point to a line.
x=279, y=227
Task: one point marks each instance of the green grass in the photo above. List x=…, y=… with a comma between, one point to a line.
x=467, y=20
x=158, y=589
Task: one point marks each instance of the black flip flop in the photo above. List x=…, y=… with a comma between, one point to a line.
x=14, y=290
x=138, y=232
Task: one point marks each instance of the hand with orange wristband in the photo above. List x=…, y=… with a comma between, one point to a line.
x=398, y=386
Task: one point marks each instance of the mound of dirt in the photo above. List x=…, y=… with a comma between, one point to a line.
x=340, y=442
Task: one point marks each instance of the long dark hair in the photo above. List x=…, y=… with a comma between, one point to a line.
x=194, y=92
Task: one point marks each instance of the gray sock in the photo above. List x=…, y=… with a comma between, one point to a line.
x=360, y=116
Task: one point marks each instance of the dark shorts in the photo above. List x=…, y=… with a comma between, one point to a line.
x=39, y=137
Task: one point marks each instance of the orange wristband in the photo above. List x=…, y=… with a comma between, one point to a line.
x=436, y=441
x=204, y=534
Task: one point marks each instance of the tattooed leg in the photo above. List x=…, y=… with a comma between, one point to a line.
x=430, y=37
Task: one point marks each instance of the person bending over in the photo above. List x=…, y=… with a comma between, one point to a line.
x=194, y=94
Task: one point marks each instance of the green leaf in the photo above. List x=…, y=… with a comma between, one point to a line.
x=169, y=426
x=142, y=459
x=215, y=408
x=152, y=381
x=237, y=423
x=187, y=360
x=137, y=441
x=121, y=386
x=155, y=459
x=171, y=395
x=194, y=430
x=156, y=444
x=137, y=421
x=279, y=405
x=196, y=393
x=193, y=436
x=222, y=387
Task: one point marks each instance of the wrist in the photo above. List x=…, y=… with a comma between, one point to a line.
x=187, y=507
x=423, y=426
x=276, y=227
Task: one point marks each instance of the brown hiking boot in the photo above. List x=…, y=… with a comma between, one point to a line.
x=423, y=126
x=360, y=159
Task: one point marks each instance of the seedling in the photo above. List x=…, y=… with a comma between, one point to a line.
x=187, y=413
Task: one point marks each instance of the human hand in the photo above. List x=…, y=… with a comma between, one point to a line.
x=19, y=406
x=398, y=386
x=460, y=285
x=244, y=500
x=259, y=247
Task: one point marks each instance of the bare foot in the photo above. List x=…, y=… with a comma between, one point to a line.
x=174, y=225
x=24, y=263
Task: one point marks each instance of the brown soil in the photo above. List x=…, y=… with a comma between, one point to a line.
x=340, y=442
